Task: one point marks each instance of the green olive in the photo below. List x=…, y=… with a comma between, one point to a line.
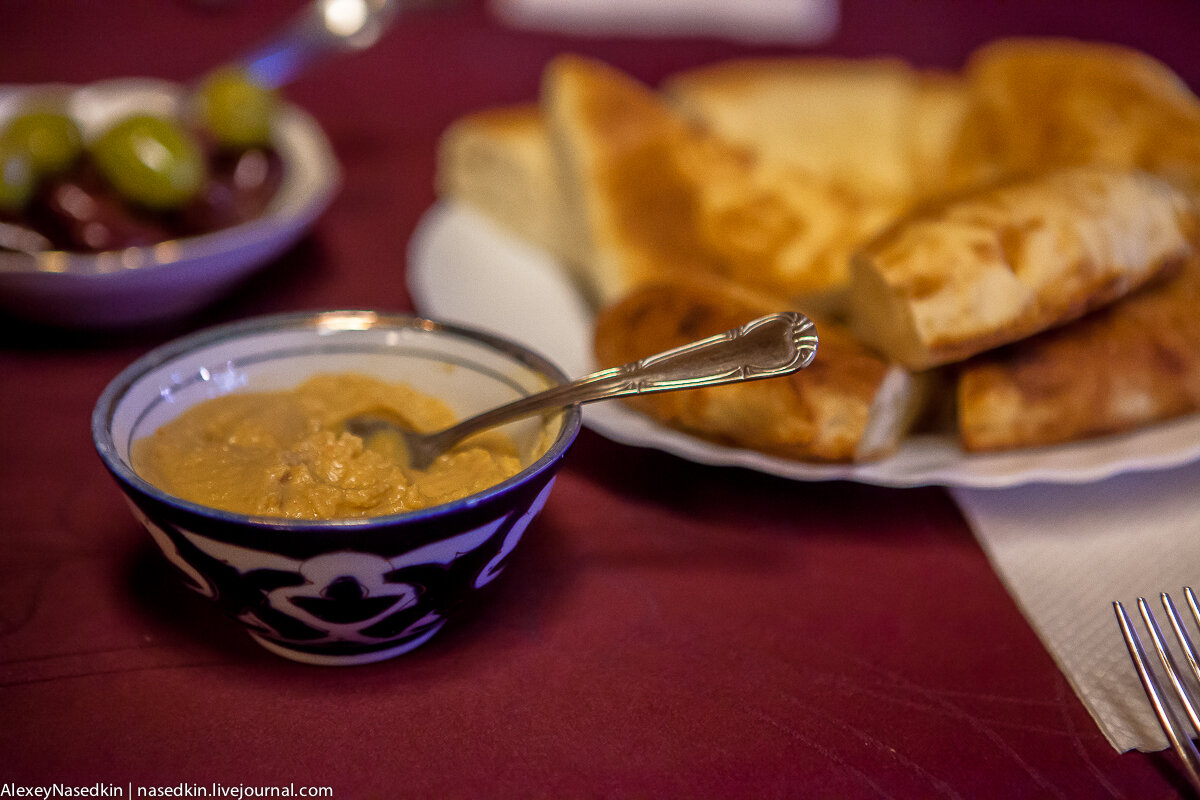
x=17, y=178
x=151, y=161
x=237, y=111
x=51, y=138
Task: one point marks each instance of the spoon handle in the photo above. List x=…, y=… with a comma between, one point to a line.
x=322, y=28
x=770, y=346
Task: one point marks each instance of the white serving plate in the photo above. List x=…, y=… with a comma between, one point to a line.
x=145, y=284
x=461, y=268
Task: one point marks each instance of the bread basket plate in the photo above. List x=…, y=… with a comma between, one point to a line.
x=462, y=268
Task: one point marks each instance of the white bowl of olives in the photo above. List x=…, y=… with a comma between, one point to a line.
x=131, y=201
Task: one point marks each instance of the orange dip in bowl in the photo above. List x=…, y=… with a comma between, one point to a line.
x=283, y=454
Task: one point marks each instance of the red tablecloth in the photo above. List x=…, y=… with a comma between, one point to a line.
x=667, y=629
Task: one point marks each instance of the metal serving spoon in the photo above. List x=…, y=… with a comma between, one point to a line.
x=321, y=29
x=768, y=347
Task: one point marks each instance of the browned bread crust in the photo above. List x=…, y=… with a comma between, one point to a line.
x=1039, y=104
x=1131, y=364
x=657, y=193
x=987, y=269
x=848, y=405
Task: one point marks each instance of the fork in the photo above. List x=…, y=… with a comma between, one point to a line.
x=1176, y=731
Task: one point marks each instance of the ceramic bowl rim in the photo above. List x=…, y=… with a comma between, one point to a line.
x=115, y=390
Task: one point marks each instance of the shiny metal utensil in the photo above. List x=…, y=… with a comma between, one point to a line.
x=1176, y=730
x=768, y=347
x=323, y=28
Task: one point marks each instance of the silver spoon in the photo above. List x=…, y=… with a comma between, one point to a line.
x=768, y=347
x=322, y=28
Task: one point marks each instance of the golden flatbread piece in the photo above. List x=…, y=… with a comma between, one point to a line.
x=848, y=405
x=1131, y=364
x=658, y=194
x=995, y=266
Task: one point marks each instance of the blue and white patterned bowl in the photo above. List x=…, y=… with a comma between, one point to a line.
x=337, y=591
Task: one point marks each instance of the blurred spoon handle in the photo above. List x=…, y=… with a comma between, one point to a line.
x=323, y=28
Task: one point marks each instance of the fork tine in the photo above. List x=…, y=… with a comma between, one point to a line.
x=1189, y=652
x=1181, y=742
x=1190, y=598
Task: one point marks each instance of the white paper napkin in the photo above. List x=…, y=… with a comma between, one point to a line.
x=1067, y=552
x=794, y=21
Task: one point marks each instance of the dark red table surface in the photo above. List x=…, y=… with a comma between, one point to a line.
x=667, y=629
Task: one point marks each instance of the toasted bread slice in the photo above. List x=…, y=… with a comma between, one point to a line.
x=849, y=405
x=844, y=119
x=879, y=127
x=657, y=193
x=939, y=112
x=1131, y=364
x=1004, y=263
x=1038, y=104
x=499, y=161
